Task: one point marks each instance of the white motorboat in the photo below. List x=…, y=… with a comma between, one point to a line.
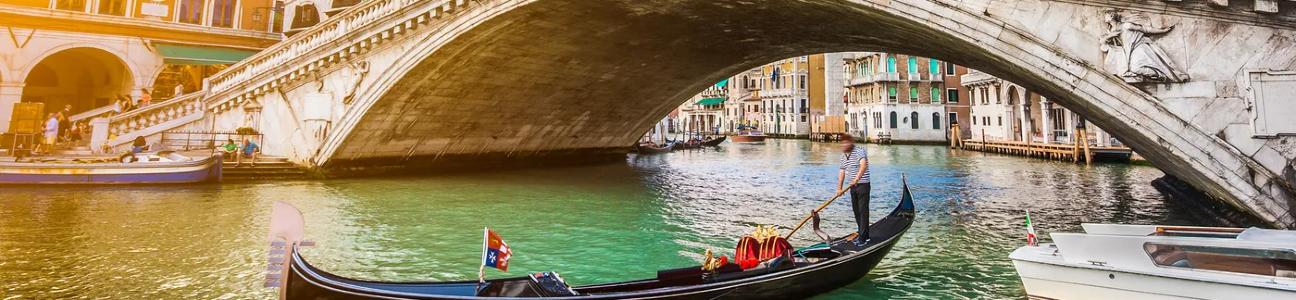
x=1111, y=261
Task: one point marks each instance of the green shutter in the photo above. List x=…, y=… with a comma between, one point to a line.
x=913, y=93
x=934, y=67
x=935, y=93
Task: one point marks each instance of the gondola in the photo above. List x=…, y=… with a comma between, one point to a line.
x=812, y=270
x=714, y=141
x=651, y=149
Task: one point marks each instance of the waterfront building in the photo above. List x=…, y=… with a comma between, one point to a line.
x=957, y=106
x=786, y=97
x=895, y=96
x=87, y=53
x=1005, y=111
x=779, y=99
x=705, y=112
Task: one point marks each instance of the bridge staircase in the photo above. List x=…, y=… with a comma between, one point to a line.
x=267, y=168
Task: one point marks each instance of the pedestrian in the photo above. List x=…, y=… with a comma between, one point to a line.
x=139, y=144
x=231, y=149
x=51, y=131
x=854, y=163
x=145, y=98
x=127, y=104
x=250, y=150
x=179, y=91
x=65, y=123
x=76, y=132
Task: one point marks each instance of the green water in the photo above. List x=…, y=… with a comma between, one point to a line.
x=593, y=224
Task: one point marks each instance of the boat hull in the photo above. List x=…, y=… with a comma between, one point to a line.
x=1050, y=280
x=748, y=138
x=205, y=170
x=305, y=281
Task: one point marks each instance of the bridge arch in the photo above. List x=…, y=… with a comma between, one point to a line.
x=83, y=76
x=518, y=77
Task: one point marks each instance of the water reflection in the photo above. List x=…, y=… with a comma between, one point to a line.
x=593, y=224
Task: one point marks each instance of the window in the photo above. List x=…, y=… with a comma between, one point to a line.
x=935, y=94
x=933, y=67
x=952, y=96
x=805, y=106
x=936, y=121
x=894, y=122
x=112, y=7
x=223, y=13
x=877, y=120
x=974, y=120
x=891, y=64
x=191, y=11
x=73, y=5
x=913, y=65
x=913, y=120
x=913, y=94
x=949, y=69
x=803, y=82
x=804, y=119
x=1265, y=262
x=891, y=93
x=953, y=118
x=1000, y=122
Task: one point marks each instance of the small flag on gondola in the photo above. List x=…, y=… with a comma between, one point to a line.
x=1031, y=240
x=495, y=253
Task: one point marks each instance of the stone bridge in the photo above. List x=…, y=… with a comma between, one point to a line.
x=1195, y=86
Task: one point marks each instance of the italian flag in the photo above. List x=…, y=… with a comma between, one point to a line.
x=1031, y=240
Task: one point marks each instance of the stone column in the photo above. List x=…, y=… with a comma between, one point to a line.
x=10, y=93
x=1024, y=109
x=1046, y=110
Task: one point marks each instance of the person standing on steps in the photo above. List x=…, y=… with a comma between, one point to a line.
x=854, y=165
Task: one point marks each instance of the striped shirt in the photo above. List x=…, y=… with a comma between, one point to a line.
x=851, y=164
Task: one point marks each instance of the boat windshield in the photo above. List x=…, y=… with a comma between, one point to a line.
x=1267, y=262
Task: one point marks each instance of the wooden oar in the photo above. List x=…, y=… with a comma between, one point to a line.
x=815, y=211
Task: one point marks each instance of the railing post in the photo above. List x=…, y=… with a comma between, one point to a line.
x=98, y=134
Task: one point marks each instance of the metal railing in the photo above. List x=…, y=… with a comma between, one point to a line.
x=200, y=140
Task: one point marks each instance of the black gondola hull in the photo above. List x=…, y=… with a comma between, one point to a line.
x=307, y=282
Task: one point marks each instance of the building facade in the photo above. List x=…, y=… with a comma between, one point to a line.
x=895, y=96
x=1004, y=111
x=87, y=53
x=785, y=95
x=958, y=107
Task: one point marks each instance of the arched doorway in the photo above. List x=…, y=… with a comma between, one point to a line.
x=85, y=78
x=1013, y=116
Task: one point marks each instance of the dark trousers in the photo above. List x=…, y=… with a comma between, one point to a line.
x=860, y=205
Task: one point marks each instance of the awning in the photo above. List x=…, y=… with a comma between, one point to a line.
x=711, y=101
x=722, y=84
x=176, y=54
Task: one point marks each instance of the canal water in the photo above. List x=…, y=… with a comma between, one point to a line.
x=609, y=222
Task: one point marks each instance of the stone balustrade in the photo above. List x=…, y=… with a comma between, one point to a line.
x=127, y=125
x=327, y=43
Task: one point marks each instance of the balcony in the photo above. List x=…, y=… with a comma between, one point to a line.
x=938, y=77
x=860, y=80
x=782, y=93
x=976, y=78
x=889, y=76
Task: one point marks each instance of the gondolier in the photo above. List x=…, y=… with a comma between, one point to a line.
x=854, y=165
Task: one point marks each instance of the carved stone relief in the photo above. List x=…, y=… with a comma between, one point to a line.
x=1141, y=60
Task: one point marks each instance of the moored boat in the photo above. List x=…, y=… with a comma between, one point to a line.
x=151, y=168
x=749, y=137
x=648, y=148
x=1111, y=261
x=806, y=272
x=715, y=141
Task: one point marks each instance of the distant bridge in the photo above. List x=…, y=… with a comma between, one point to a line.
x=1194, y=86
